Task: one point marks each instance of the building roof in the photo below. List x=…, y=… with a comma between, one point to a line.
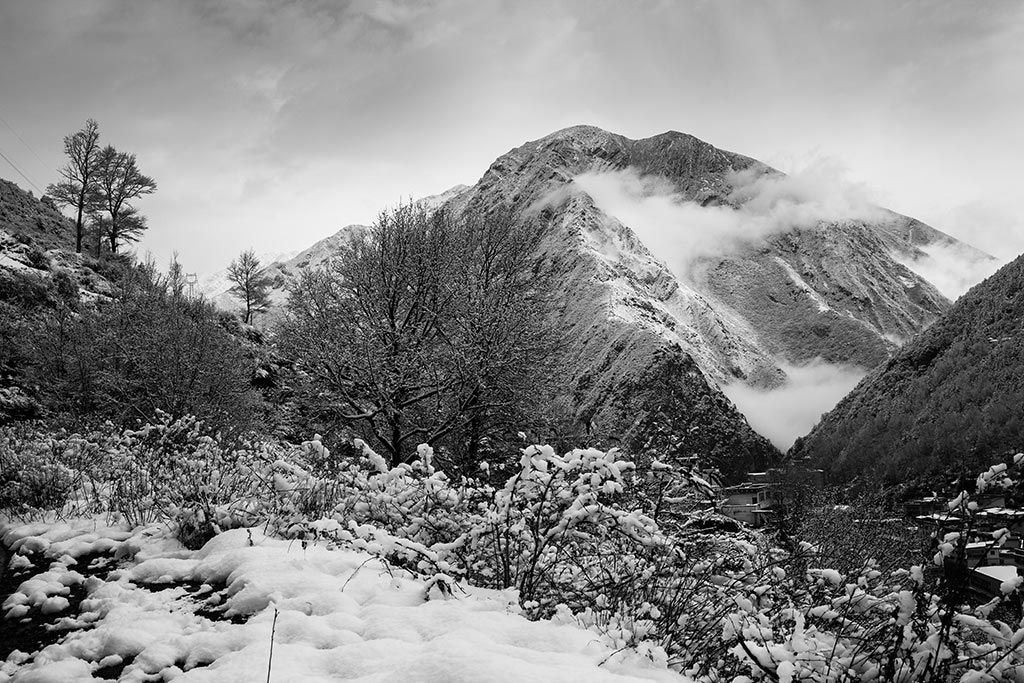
x=1001, y=572
x=746, y=486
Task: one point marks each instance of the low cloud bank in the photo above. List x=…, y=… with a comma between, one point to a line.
x=952, y=268
x=783, y=414
x=679, y=231
x=995, y=225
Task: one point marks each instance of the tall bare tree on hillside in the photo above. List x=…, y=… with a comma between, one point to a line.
x=249, y=285
x=80, y=174
x=119, y=182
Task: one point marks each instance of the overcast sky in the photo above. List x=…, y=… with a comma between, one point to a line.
x=271, y=124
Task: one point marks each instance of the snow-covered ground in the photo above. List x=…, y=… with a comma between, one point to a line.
x=160, y=612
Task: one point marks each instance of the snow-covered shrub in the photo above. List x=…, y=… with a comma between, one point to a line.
x=172, y=471
x=412, y=514
x=178, y=471
x=32, y=479
x=550, y=529
x=914, y=624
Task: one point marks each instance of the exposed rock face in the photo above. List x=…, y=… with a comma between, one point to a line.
x=945, y=405
x=648, y=348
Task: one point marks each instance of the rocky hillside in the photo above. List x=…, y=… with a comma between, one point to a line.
x=945, y=405
x=835, y=291
x=32, y=221
x=38, y=242
x=38, y=271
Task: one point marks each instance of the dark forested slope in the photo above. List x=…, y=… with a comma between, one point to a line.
x=946, y=404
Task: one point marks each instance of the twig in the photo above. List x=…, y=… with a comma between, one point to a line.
x=364, y=563
x=273, y=628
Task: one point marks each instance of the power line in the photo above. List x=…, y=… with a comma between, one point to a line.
x=22, y=140
x=20, y=172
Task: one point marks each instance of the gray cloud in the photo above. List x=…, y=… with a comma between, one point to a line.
x=337, y=108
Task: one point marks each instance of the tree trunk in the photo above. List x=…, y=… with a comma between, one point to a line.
x=78, y=230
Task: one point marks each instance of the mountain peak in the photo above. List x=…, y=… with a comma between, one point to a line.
x=585, y=132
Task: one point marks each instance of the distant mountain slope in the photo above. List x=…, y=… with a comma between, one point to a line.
x=830, y=290
x=833, y=291
x=284, y=268
x=282, y=273
x=217, y=283
x=946, y=404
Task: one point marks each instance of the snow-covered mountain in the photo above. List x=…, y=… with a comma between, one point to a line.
x=217, y=283
x=684, y=269
x=282, y=273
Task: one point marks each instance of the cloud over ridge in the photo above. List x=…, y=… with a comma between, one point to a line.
x=760, y=204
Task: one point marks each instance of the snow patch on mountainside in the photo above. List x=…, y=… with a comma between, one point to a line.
x=819, y=300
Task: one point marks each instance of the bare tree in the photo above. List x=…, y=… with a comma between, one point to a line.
x=119, y=182
x=78, y=186
x=249, y=285
x=428, y=329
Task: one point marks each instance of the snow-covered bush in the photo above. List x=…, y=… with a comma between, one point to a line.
x=32, y=479
x=913, y=624
x=567, y=533
x=172, y=471
x=178, y=471
x=412, y=514
x=550, y=529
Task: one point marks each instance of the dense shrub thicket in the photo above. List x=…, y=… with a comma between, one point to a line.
x=577, y=534
x=145, y=348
